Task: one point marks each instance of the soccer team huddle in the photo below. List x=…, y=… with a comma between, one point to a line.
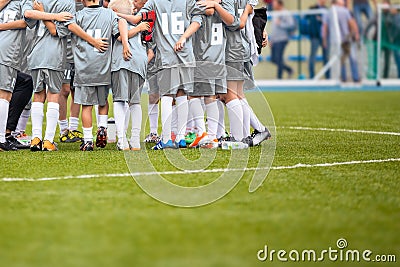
x=197, y=58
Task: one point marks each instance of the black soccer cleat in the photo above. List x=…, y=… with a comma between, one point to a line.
x=101, y=138
x=86, y=146
x=17, y=144
x=7, y=146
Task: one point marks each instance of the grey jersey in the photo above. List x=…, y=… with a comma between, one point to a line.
x=209, y=44
x=49, y=51
x=11, y=40
x=93, y=68
x=138, y=63
x=173, y=18
x=27, y=48
x=237, y=44
x=70, y=58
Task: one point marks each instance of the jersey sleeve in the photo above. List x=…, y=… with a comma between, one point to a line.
x=27, y=5
x=195, y=12
x=228, y=6
x=62, y=27
x=150, y=5
x=115, y=28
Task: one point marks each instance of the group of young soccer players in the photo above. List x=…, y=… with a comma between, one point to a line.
x=196, y=56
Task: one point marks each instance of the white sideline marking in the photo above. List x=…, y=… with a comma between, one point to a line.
x=300, y=165
x=338, y=130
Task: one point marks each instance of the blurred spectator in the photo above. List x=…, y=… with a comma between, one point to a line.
x=390, y=37
x=283, y=26
x=361, y=7
x=269, y=4
x=342, y=30
x=315, y=33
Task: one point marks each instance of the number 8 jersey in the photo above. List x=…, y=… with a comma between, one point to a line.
x=173, y=18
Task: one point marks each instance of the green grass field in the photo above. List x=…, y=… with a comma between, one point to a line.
x=110, y=221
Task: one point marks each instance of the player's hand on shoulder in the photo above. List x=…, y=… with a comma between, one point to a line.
x=180, y=44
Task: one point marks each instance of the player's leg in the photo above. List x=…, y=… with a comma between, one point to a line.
x=102, y=99
x=8, y=77
x=153, y=110
x=53, y=79
x=221, y=119
x=87, y=144
x=20, y=98
x=165, y=82
x=62, y=101
x=136, y=110
x=37, y=112
x=120, y=97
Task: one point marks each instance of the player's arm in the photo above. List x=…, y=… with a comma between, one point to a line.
x=50, y=25
x=3, y=3
x=225, y=16
x=100, y=44
x=143, y=26
x=38, y=15
x=193, y=27
x=123, y=33
x=13, y=25
x=354, y=29
x=243, y=18
x=134, y=19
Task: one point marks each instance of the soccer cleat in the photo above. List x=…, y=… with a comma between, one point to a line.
x=152, y=138
x=181, y=144
x=86, y=146
x=210, y=144
x=225, y=139
x=49, y=146
x=122, y=147
x=7, y=146
x=189, y=138
x=64, y=136
x=75, y=136
x=199, y=140
x=160, y=145
x=16, y=143
x=135, y=144
x=36, y=144
x=248, y=140
x=101, y=138
x=259, y=137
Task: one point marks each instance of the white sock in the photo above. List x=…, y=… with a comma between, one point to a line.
x=174, y=120
x=182, y=108
x=166, y=114
x=96, y=111
x=87, y=134
x=37, y=119
x=246, y=117
x=73, y=123
x=119, y=117
x=52, y=114
x=235, y=113
x=127, y=116
x=190, y=122
x=4, y=106
x=221, y=119
x=198, y=115
x=212, y=119
x=23, y=120
x=153, y=118
x=63, y=124
x=136, y=116
x=255, y=122
x=102, y=121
